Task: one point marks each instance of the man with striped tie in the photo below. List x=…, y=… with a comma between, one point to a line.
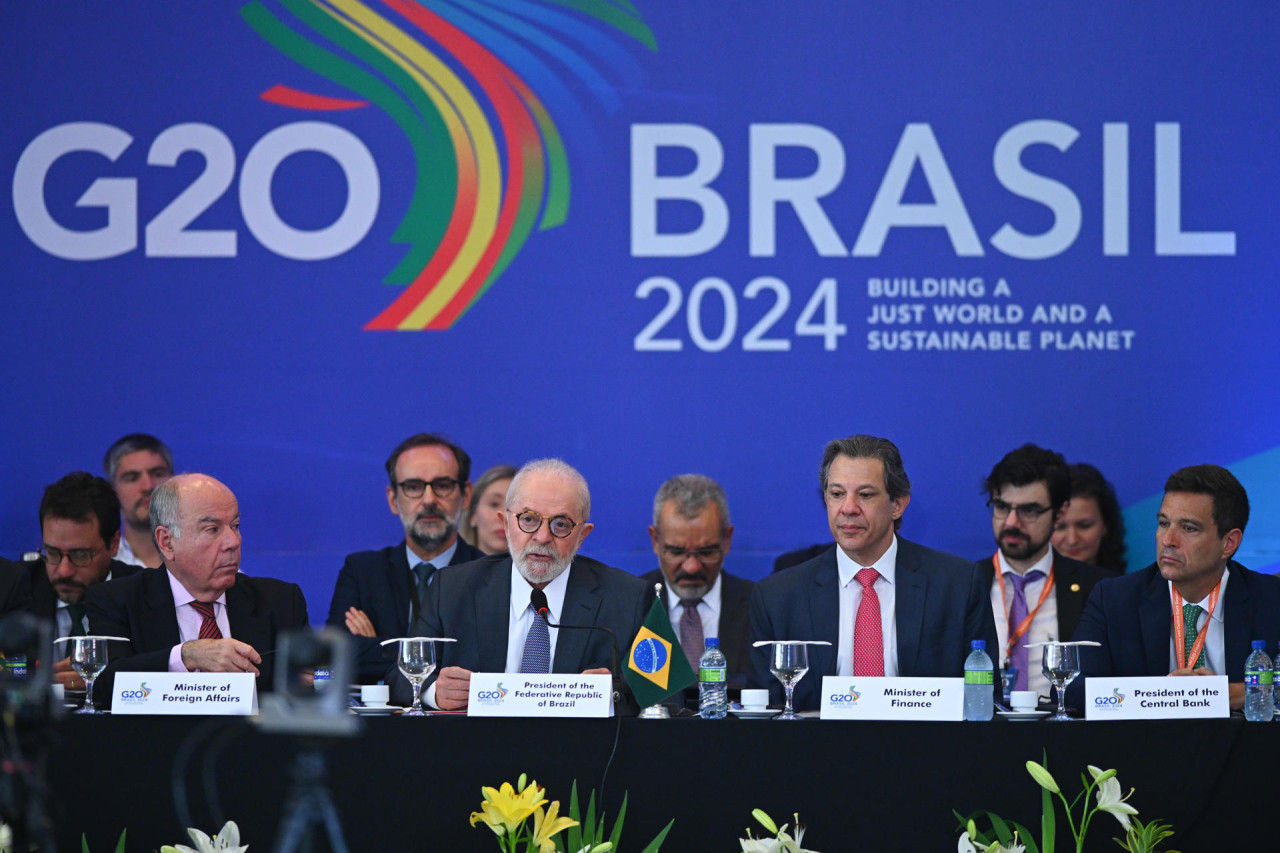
x=197, y=612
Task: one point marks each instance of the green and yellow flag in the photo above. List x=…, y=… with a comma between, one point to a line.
x=657, y=667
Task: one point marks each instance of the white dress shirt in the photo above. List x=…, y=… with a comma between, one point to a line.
x=1043, y=627
x=1215, y=656
x=851, y=597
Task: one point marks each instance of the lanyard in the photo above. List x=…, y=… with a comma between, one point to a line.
x=1180, y=627
x=1016, y=635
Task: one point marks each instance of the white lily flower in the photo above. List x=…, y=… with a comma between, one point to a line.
x=226, y=841
x=1109, y=799
x=965, y=845
x=760, y=845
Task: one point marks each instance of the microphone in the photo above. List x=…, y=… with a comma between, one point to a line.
x=538, y=599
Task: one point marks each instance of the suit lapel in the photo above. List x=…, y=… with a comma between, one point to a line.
x=909, y=606
x=249, y=623
x=824, y=616
x=1070, y=603
x=1155, y=621
x=492, y=621
x=401, y=589
x=161, y=614
x=581, y=604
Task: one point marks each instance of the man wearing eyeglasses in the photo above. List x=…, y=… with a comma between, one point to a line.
x=486, y=605
x=691, y=535
x=1038, y=594
x=378, y=593
x=80, y=533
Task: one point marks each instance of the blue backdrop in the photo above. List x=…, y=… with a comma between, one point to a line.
x=675, y=237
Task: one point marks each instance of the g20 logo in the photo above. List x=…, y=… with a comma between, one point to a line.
x=846, y=699
x=168, y=234
x=138, y=695
x=492, y=695
x=1115, y=700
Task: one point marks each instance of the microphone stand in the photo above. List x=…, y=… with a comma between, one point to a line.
x=538, y=599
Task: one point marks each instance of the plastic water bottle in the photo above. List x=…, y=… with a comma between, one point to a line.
x=713, y=692
x=979, y=676
x=1258, y=702
x=1274, y=670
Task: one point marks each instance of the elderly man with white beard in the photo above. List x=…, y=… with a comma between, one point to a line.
x=485, y=605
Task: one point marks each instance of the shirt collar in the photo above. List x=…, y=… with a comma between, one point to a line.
x=440, y=560
x=1044, y=564
x=886, y=565
x=554, y=591
x=181, y=596
x=1204, y=602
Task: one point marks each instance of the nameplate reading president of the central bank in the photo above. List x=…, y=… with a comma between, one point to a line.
x=853, y=698
x=513, y=694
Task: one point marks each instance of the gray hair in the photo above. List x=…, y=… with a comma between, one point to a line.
x=132, y=443
x=164, y=507
x=692, y=493
x=551, y=466
x=896, y=482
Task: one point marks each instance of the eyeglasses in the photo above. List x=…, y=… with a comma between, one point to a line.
x=705, y=556
x=79, y=557
x=559, y=525
x=1030, y=513
x=441, y=486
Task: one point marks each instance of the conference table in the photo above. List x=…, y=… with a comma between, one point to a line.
x=411, y=783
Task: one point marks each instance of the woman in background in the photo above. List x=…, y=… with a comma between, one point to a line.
x=1091, y=527
x=481, y=525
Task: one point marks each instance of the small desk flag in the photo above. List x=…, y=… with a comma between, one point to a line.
x=657, y=667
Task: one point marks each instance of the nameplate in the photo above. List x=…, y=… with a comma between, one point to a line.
x=228, y=694
x=1156, y=697
x=508, y=694
x=853, y=698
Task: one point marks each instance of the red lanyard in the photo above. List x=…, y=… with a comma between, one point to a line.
x=1180, y=627
x=1016, y=635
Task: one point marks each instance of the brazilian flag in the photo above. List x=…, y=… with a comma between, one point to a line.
x=656, y=667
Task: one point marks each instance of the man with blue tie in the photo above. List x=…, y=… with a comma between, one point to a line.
x=889, y=607
x=1037, y=594
x=378, y=593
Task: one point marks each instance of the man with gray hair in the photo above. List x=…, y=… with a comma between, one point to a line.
x=486, y=604
x=198, y=613
x=135, y=465
x=888, y=607
x=691, y=533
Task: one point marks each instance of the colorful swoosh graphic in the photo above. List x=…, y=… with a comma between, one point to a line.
x=473, y=84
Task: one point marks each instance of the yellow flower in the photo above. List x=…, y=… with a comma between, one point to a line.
x=546, y=827
x=503, y=810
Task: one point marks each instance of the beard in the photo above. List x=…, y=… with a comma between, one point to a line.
x=539, y=573
x=690, y=592
x=1022, y=547
x=424, y=537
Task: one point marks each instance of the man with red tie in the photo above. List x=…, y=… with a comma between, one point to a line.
x=1038, y=594
x=197, y=613
x=889, y=607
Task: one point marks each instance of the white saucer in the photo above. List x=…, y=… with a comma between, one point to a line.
x=375, y=710
x=1024, y=715
x=753, y=713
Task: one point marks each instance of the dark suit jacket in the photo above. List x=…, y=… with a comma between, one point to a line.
x=1132, y=618
x=941, y=604
x=140, y=607
x=44, y=600
x=735, y=626
x=15, y=586
x=1073, y=581
x=472, y=603
x=379, y=583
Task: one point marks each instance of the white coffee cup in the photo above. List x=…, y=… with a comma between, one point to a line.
x=59, y=692
x=1024, y=700
x=374, y=695
x=755, y=700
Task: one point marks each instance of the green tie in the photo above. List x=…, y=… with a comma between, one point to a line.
x=76, y=612
x=1190, y=615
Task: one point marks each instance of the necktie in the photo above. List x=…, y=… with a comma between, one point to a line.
x=1018, y=612
x=209, y=629
x=691, y=638
x=868, y=639
x=422, y=578
x=537, y=646
x=76, y=612
x=1191, y=615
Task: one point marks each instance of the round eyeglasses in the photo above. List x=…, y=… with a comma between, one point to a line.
x=560, y=525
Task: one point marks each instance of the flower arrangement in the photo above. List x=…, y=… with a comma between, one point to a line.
x=226, y=840
x=781, y=841
x=1011, y=837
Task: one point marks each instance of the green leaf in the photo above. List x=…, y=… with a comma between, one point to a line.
x=589, y=825
x=1047, y=827
x=656, y=843
x=1026, y=837
x=120, y=843
x=617, y=826
x=1002, y=829
x=575, y=832
x=84, y=844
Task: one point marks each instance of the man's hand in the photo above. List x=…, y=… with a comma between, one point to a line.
x=220, y=656
x=359, y=623
x=1235, y=692
x=600, y=670
x=66, y=676
x=452, y=688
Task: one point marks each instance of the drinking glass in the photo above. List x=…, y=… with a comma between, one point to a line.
x=1061, y=665
x=88, y=659
x=417, y=661
x=790, y=663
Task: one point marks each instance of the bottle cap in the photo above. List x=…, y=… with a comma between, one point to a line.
x=979, y=644
x=1259, y=644
x=713, y=642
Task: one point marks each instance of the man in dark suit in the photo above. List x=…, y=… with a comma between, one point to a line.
x=1040, y=594
x=378, y=592
x=196, y=613
x=15, y=587
x=1221, y=605
x=485, y=605
x=80, y=533
x=888, y=607
x=691, y=534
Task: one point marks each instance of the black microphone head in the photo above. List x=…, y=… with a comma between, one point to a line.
x=538, y=599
